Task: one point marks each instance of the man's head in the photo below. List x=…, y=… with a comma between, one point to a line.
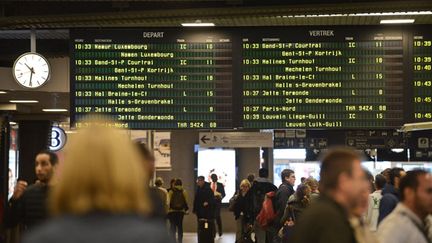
x=288, y=176
x=342, y=177
x=214, y=177
x=380, y=181
x=45, y=164
x=263, y=173
x=395, y=176
x=159, y=182
x=416, y=192
x=251, y=178
x=200, y=181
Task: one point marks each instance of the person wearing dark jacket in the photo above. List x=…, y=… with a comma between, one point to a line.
x=286, y=189
x=203, y=208
x=390, y=192
x=101, y=196
x=178, y=207
x=28, y=204
x=219, y=192
x=260, y=188
x=242, y=210
x=327, y=219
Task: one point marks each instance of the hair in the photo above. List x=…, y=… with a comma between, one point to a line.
x=102, y=172
x=251, y=177
x=173, y=180
x=159, y=182
x=386, y=174
x=286, y=173
x=380, y=181
x=53, y=158
x=312, y=183
x=145, y=151
x=334, y=163
x=263, y=172
x=301, y=193
x=178, y=182
x=410, y=180
x=214, y=177
x=201, y=178
x=303, y=179
x=245, y=182
x=394, y=172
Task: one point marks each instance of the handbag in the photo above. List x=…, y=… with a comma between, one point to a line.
x=286, y=230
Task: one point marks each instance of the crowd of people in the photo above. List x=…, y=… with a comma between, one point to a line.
x=103, y=195
x=347, y=205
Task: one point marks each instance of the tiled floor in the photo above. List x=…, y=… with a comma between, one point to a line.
x=226, y=238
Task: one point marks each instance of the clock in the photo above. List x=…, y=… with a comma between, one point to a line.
x=31, y=70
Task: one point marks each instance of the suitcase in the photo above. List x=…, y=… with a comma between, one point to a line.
x=206, y=231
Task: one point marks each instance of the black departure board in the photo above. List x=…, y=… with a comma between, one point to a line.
x=322, y=78
x=152, y=79
x=422, y=77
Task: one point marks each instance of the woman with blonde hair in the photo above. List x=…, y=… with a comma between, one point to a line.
x=101, y=196
x=242, y=210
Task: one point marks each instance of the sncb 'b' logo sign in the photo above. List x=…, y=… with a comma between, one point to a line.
x=57, y=139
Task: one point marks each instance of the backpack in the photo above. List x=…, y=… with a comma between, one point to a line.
x=267, y=213
x=232, y=203
x=178, y=201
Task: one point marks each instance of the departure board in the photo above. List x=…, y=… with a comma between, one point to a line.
x=322, y=78
x=152, y=79
x=422, y=77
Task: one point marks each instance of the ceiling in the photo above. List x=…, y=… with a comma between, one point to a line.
x=52, y=19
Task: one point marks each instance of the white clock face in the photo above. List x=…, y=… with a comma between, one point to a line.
x=31, y=70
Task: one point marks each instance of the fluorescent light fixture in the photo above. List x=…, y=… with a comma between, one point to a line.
x=332, y=15
x=397, y=150
x=12, y=123
x=24, y=101
x=197, y=23
x=3, y=92
x=54, y=110
x=70, y=132
x=397, y=21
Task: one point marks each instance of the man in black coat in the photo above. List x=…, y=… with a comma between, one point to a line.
x=28, y=205
x=203, y=208
x=219, y=192
x=286, y=189
x=327, y=219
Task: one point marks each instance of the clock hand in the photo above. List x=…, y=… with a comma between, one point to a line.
x=31, y=76
x=31, y=69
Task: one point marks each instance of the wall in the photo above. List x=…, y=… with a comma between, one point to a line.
x=183, y=166
x=60, y=74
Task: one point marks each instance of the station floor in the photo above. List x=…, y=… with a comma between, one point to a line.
x=226, y=238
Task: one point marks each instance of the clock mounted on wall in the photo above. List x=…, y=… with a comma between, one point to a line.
x=31, y=70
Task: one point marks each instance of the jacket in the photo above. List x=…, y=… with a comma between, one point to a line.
x=220, y=189
x=202, y=195
x=325, y=221
x=282, y=195
x=242, y=207
x=389, y=201
x=100, y=228
x=30, y=209
x=170, y=194
x=402, y=226
x=260, y=187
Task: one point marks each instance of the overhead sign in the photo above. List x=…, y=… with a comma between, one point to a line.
x=236, y=139
x=57, y=139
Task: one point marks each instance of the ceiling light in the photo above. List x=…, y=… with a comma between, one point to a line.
x=197, y=23
x=3, y=92
x=54, y=110
x=24, y=101
x=12, y=123
x=397, y=150
x=70, y=131
x=397, y=21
